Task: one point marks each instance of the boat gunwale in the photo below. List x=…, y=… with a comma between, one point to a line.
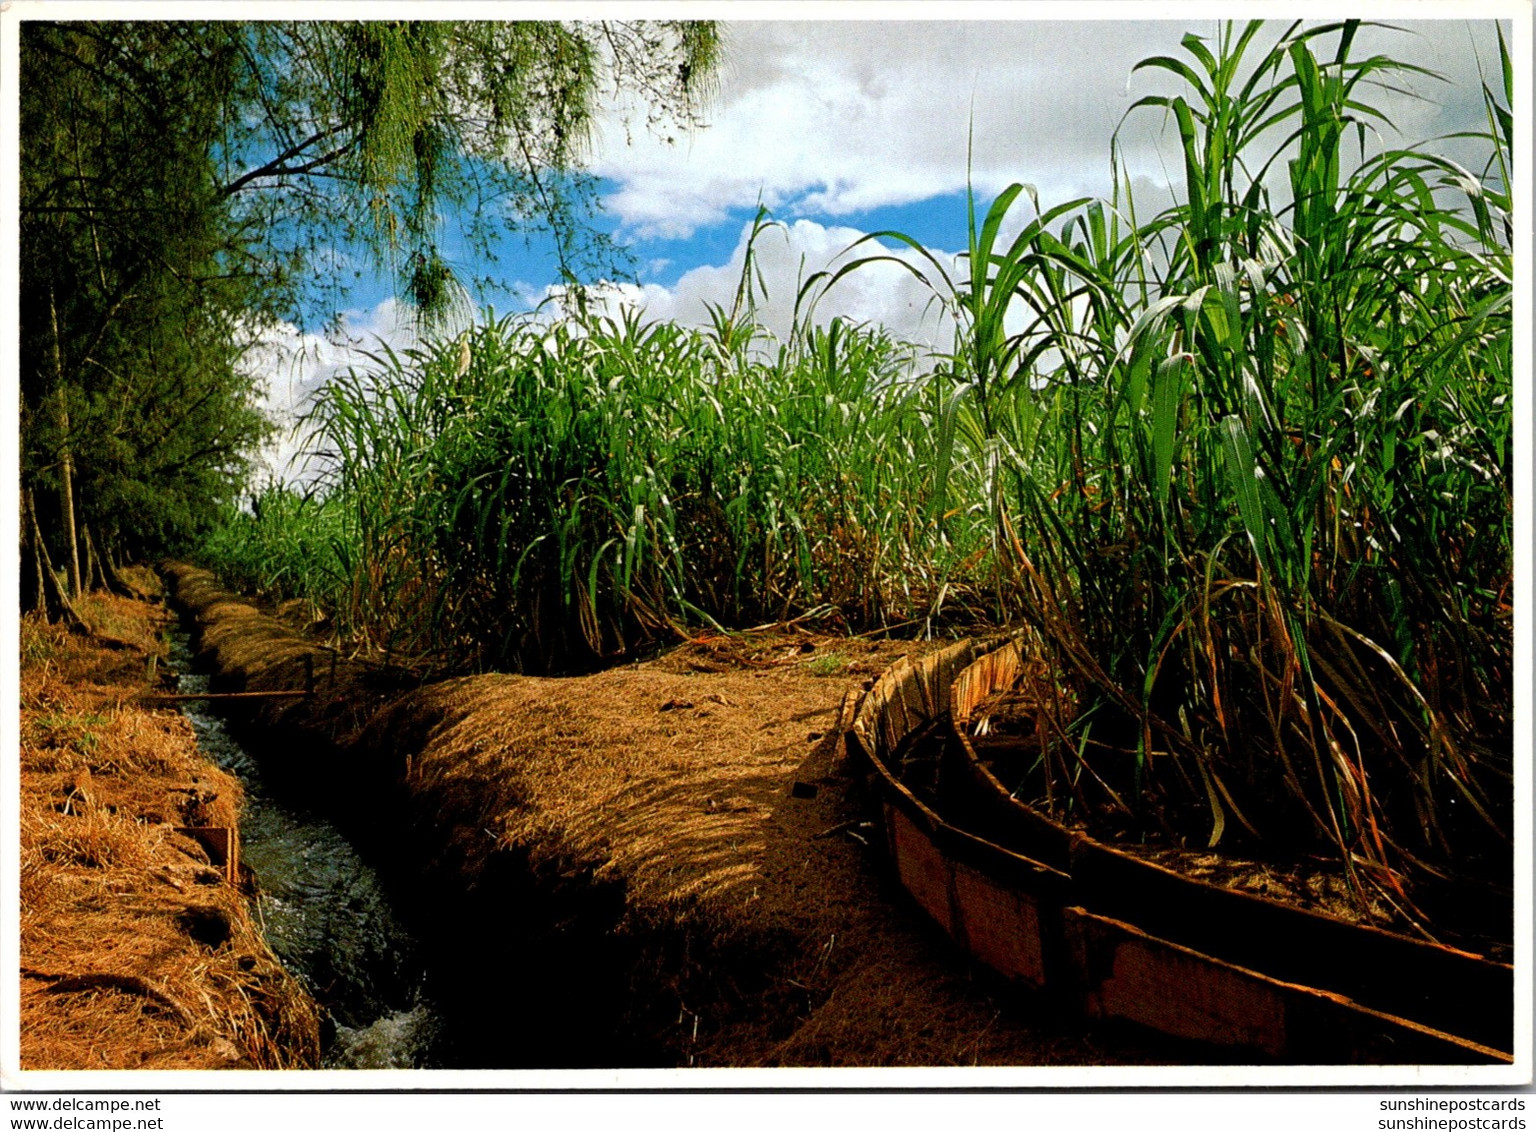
x=880, y=743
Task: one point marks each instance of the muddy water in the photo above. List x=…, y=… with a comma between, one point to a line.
x=325, y=912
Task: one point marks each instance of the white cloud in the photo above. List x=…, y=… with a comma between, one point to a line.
x=829, y=119
x=832, y=119
x=297, y=364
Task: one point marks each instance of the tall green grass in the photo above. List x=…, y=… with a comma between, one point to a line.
x=543, y=497
x=287, y=543
x=1257, y=504
x=1240, y=468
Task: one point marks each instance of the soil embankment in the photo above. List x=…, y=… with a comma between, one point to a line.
x=136, y=950
x=662, y=864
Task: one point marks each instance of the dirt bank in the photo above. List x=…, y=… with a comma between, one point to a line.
x=662, y=864
x=136, y=951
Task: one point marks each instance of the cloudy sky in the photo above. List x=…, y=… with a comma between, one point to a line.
x=844, y=128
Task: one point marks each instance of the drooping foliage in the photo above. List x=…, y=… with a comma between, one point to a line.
x=414, y=124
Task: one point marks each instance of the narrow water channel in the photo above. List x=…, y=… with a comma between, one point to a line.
x=325, y=912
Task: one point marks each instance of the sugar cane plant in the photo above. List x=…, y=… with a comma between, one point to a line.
x=1257, y=493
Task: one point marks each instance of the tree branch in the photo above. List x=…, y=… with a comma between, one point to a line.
x=277, y=167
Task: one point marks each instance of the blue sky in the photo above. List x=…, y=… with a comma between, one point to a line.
x=528, y=267
x=842, y=128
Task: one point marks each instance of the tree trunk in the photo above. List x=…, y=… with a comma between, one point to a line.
x=28, y=543
x=67, y=508
x=56, y=604
x=66, y=460
x=91, y=578
x=111, y=580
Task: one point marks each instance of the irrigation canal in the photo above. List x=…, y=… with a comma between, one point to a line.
x=325, y=911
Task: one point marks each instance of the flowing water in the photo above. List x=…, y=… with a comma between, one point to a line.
x=325, y=912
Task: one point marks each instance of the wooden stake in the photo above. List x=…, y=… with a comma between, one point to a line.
x=174, y=697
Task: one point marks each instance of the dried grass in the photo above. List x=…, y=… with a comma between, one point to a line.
x=769, y=941
x=110, y=976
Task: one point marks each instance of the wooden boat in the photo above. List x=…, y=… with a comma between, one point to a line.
x=995, y=902
x=1121, y=937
